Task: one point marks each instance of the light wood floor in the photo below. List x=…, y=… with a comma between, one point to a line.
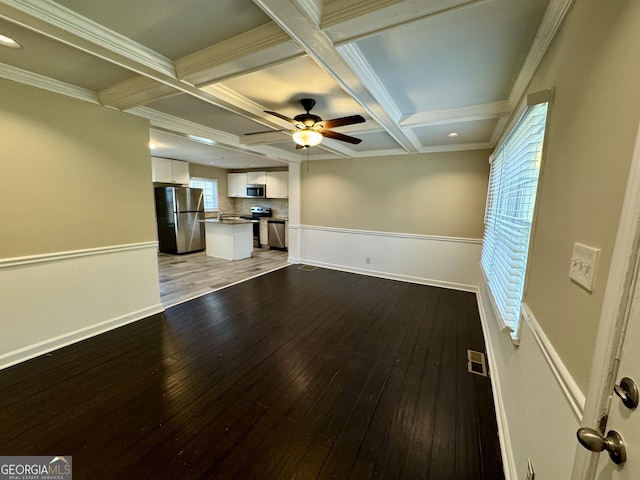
x=191, y=275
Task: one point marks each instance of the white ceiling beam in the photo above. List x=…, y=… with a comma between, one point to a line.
x=176, y=125
x=307, y=34
x=265, y=138
x=350, y=20
x=134, y=92
x=247, y=52
x=54, y=21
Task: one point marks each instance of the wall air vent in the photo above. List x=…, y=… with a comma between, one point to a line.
x=477, y=363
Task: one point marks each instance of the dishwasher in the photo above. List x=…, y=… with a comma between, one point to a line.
x=276, y=233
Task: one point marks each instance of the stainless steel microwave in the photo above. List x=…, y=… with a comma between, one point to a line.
x=256, y=191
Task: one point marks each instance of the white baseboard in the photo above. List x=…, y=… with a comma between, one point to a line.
x=447, y=262
x=52, y=300
x=391, y=276
x=501, y=413
x=49, y=345
x=534, y=394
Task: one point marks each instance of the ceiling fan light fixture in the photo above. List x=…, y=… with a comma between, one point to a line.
x=307, y=137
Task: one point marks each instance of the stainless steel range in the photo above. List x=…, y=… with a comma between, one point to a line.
x=256, y=214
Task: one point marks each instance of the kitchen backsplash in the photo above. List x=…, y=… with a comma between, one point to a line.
x=279, y=206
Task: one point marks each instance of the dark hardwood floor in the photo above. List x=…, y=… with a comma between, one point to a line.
x=294, y=374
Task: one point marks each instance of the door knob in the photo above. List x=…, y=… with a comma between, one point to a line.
x=613, y=443
x=628, y=392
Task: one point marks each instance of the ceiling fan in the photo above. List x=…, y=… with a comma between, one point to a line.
x=310, y=128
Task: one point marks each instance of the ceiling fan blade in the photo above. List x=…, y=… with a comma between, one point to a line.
x=283, y=117
x=339, y=122
x=267, y=131
x=340, y=136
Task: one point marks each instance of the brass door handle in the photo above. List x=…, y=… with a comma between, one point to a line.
x=628, y=392
x=613, y=443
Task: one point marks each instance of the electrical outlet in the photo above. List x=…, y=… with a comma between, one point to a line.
x=584, y=262
x=530, y=473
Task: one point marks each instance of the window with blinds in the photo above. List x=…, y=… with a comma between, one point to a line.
x=210, y=187
x=513, y=183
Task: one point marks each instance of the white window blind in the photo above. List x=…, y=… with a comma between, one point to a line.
x=210, y=187
x=511, y=196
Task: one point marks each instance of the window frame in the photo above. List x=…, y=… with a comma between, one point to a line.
x=511, y=325
x=213, y=181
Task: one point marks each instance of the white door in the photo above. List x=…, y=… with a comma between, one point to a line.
x=617, y=352
x=623, y=420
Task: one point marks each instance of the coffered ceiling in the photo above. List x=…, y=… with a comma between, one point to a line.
x=204, y=72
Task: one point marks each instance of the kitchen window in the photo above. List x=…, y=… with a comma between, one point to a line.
x=210, y=188
x=511, y=197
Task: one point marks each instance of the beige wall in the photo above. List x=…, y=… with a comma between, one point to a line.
x=594, y=67
x=440, y=194
x=75, y=175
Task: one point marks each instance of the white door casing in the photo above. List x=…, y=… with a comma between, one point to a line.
x=617, y=346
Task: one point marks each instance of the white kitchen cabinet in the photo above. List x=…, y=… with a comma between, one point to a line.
x=256, y=178
x=165, y=170
x=237, y=185
x=180, y=172
x=264, y=232
x=277, y=184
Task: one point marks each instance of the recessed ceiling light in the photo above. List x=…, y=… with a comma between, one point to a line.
x=8, y=42
x=453, y=134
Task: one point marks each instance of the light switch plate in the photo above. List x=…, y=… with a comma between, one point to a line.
x=584, y=263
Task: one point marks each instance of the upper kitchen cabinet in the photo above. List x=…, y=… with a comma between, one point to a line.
x=256, y=178
x=237, y=185
x=165, y=170
x=277, y=184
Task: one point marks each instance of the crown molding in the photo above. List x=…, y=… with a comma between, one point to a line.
x=312, y=8
x=470, y=113
x=339, y=12
x=133, y=92
x=457, y=147
x=354, y=57
x=551, y=22
x=180, y=125
x=248, y=51
x=351, y=20
x=55, y=21
x=45, y=83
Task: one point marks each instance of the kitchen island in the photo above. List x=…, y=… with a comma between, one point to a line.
x=229, y=238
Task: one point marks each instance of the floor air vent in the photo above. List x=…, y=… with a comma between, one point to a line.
x=307, y=268
x=477, y=363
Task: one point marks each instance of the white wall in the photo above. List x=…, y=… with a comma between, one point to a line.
x=51, y=300
x=538, y=403
x=439, y=261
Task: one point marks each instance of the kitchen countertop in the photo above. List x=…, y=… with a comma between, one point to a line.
x=228, y=221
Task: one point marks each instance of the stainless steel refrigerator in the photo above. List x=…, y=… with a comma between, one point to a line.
x=179, y=211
